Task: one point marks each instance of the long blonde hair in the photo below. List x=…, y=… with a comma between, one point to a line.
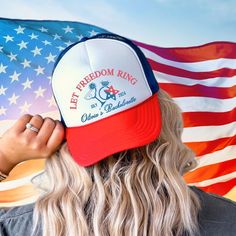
x=135, y=192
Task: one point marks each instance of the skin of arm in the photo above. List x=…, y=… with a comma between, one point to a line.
x=20, y=144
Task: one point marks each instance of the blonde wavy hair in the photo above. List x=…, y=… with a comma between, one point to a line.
x=135, y=192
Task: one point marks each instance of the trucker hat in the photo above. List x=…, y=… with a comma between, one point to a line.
x=107, y=96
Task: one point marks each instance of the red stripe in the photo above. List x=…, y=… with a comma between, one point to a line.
x=221, y=188
x=205, y=52
x=211, y=171
x=224, y=72
x=194, y=119
x=180, y=90
x=203, y=148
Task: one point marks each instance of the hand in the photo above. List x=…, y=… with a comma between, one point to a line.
x=20, y=144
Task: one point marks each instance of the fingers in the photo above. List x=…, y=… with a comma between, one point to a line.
x=37, y=122
x=57, y=136
x=46, y=129
x=20, y=124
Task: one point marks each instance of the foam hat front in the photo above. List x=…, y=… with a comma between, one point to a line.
x=107, y=96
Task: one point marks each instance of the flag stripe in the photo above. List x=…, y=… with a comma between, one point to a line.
x=206, y=104
x=204, y=52
x=219, y=82
x=202, y=66
x=179, y=90
x=208, y=182
x=208, y=133
x=192, y=119
x=225, y=154
x=224, y=72
x=203, y=148
x=212, y=171
x=220, y=188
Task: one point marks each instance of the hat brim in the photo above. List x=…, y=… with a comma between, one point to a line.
x=132, y=128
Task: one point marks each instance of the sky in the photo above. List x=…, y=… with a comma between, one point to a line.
x=166, y=23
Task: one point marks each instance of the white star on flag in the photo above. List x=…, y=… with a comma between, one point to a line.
x=51, y=102
x=68, y=29
x=39, y=92
x=93, y=33
x=3, y=110
x=33, y=36
x=26, y=63
x=46, y=42
x=2, y=90
x=42, y=29
x=15, y=76
x=68, y=43
x=27, y=84
x=22, y=44
x=20, y=30
x=12, y=56
x=2, y=68
x=25, y=107
x=36, y=51
x=56, y=36
x=13, y=99
x=51, y=58
x=39, y=70
x=8, y=38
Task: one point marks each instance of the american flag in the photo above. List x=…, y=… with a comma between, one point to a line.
x=202, y=81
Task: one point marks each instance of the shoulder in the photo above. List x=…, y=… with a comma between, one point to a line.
x=16, y=220
x=217, y=215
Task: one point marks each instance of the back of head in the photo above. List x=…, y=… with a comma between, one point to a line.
x=138, y=191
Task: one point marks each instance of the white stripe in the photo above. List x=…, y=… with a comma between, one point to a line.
x=220, y=82
x=208, y=133
x=202, y=66
x=225, y=154
x=195, y=104
x=20, y=202
x=220, y=179
x=6, y=124
x=11, y=184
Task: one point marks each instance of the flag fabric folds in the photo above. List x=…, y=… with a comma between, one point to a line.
x=202, y=81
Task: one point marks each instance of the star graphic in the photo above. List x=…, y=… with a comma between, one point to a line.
x=50, y=58
x=12, y=56
x=2, y=68
x=46, y=42
x=79, y=37
x=1, y=49
x=40, y=70
x=60, y=48
x=3, y=110
x=15, y=76
x=33, y=36
x=36, y=51
x=27, y=84
x=93, y=33
x=22, y=44
x=39, y=92
x=56, y=36
x=8, y=38
x=26, y=63
x=25, y=107
x=42, y=29
x=13, y=98
x=111, y=93
x=68, y=43
x=68, y=29
x=2, y=90
x=20, y=30
x=51, y=102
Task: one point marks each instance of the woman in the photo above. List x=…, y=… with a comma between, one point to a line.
x=135, y=191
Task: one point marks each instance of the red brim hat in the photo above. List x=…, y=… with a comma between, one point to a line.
x=107, y=96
